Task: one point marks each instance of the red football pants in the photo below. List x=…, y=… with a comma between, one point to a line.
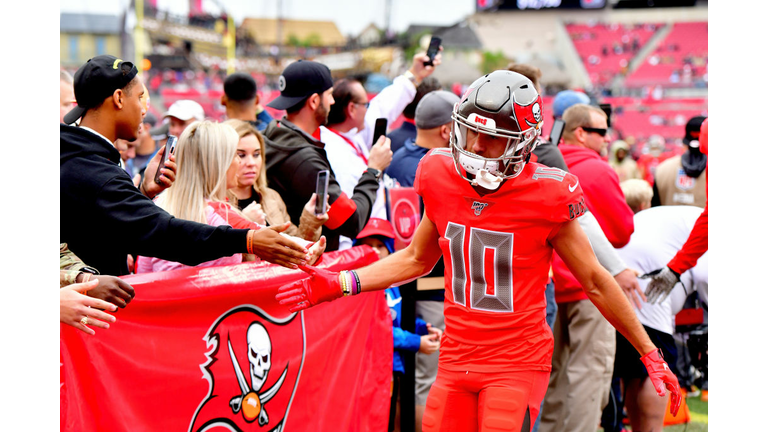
x=475, y=401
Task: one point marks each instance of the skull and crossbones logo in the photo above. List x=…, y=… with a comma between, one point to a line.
x=536, y=112
x=252, y=399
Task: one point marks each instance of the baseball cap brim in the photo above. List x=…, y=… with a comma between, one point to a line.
x=74, y=114
x=379, y=231
x=285, y=102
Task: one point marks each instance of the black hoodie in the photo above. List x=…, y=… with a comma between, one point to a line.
x=104, y=217
x=293, y=161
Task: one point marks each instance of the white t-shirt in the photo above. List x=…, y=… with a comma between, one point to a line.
x=345, y=161
x=659, y=233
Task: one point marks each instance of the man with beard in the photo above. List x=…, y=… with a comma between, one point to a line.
x=295, y=154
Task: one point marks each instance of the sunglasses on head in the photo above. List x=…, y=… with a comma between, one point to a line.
x=599, y=131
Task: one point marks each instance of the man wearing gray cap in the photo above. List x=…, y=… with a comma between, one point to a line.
x=433, y=129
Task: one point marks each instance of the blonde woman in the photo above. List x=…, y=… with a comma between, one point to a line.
x=260, y=203
x=207, y=165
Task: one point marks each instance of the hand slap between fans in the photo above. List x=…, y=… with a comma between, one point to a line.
x=662, y=377
x=321, y=286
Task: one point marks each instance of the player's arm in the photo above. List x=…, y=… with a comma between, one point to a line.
x=572, y=246
x=416, y=260
x=401, y=267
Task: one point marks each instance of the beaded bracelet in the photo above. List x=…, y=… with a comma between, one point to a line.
x=343, y=282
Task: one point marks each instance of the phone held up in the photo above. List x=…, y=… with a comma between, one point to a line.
x=380, y=129
x=434, y=47
x=170, y=148
x=557, y=132
x=321, y=190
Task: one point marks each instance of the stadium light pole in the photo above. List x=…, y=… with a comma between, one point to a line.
x=138, y=36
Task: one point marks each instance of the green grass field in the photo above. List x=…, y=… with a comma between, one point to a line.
x=699, y=418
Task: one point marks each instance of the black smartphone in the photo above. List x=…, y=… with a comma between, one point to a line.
x=434, y=47
x=321, y=190
x=379, y=130
x=606, y=107
x=557, y=132
x=170, y=148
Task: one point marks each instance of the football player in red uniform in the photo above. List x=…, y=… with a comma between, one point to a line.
x=496, y=219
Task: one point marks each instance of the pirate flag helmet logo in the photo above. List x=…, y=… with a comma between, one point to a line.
x=251, y=379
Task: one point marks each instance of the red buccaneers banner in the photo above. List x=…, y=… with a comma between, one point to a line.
x=207, y=349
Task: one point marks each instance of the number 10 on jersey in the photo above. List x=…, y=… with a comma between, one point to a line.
x=480, y=242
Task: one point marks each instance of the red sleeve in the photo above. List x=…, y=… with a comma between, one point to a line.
x=340, y=211
x=694, y=247
x=606, y=201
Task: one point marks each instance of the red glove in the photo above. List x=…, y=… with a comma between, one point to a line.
x=661, y=376
x=321, y=286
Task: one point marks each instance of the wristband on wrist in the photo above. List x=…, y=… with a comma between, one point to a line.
x=357, y=281
x=412, y=78
x=249, y=241
x=343, y=282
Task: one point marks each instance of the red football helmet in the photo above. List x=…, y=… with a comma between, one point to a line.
x=502, y=104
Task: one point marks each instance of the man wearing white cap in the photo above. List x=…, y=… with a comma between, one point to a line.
x=182, y=114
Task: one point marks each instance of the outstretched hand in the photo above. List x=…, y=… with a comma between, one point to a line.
x=80, y=311
x=662, y=378
x=662, y=282
x=270, y=246
x=321, y=286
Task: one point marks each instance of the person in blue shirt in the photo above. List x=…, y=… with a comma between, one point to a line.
x=380, y=235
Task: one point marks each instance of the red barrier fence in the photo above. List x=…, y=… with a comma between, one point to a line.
x=204, y=349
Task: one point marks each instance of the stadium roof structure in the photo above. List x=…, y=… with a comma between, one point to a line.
x=89, y=23
x=264, y=31
x=457, y=36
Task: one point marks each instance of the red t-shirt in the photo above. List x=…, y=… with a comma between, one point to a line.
x=497, y=259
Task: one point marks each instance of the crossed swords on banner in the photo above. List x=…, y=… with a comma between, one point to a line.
x=251, y=397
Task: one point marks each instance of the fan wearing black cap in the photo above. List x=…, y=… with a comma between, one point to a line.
x=295, y=154
x=99, y=200
x=682, y=180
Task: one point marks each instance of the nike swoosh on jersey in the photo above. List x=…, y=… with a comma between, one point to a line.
x=573, y=188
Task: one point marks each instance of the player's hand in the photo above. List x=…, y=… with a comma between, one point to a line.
x=662, y=378
x=321, y=286
x=661, y=284
x=627, y=280
x=270, y=246
x=428, y=345
x=381, y=154
x=435, y=333
x=113, y=290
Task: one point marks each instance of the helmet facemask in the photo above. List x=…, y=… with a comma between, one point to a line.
x=503, y=105
x=490, y=172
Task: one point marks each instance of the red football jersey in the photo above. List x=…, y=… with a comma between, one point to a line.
x=497, y=260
